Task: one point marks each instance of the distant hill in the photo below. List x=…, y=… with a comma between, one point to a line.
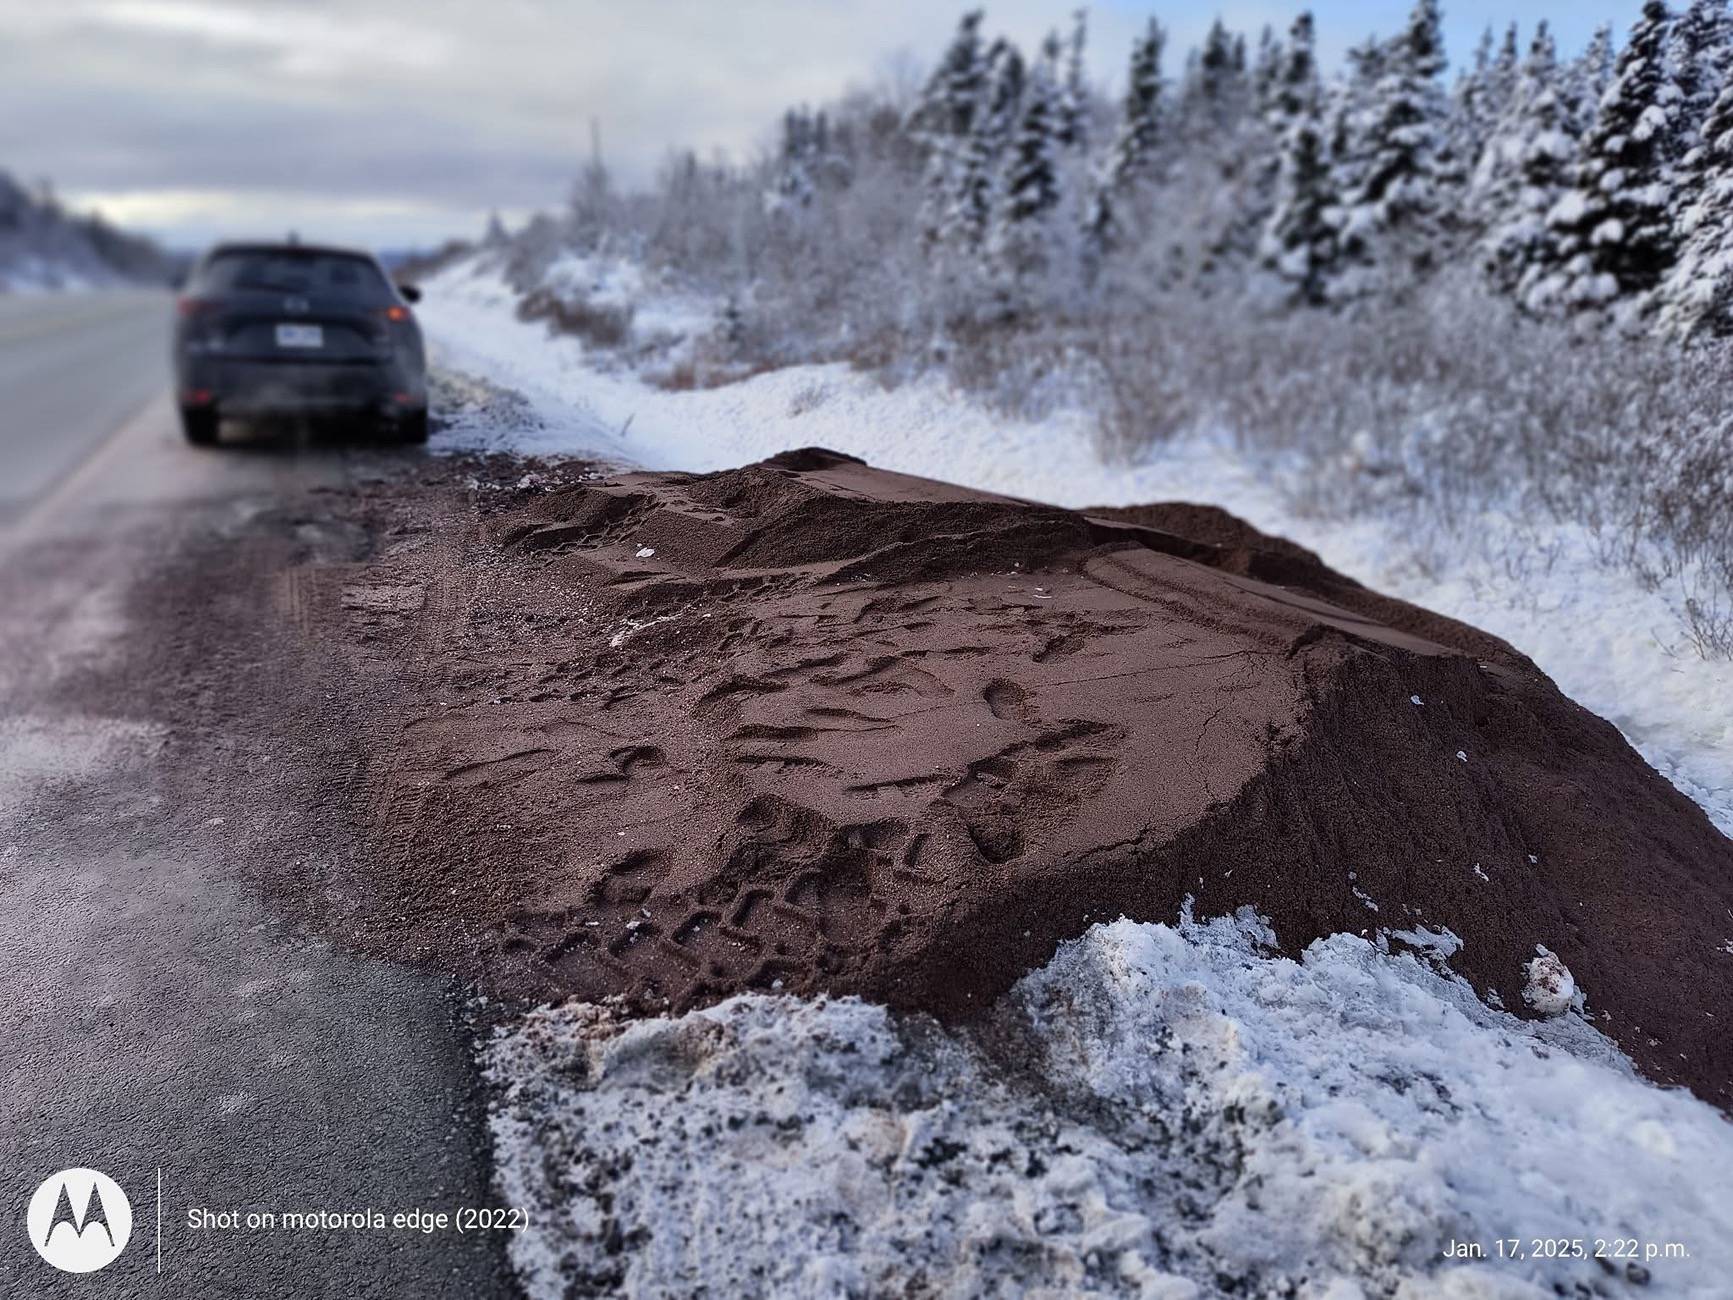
x=42, y=246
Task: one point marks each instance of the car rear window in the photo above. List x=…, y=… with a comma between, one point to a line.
x=289, y=271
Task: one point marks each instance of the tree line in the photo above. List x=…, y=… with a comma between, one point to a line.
x=1600, y=183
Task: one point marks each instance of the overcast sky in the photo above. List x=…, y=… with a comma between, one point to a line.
x=399, y=122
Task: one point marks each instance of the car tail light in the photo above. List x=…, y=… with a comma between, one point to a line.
x=200, y=330
x=395, y=314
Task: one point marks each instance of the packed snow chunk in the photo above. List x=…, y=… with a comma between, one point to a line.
x=1161, y=1111
x=1441, y=944
x=1550, y=989
x=645, y=552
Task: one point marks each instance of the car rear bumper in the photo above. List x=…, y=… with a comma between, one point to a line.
x=239, y=387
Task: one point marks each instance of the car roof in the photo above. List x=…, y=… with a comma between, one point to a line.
x=328, y=250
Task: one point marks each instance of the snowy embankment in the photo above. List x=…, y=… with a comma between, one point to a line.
x=1163, y=1110
x=46, y=249
x=1611, y=644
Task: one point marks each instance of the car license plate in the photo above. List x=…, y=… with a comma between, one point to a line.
x=300, y=336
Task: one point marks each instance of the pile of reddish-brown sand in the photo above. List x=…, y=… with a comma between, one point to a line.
x=813, y=726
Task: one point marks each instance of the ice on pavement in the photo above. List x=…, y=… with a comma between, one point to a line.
x=1163, y=1111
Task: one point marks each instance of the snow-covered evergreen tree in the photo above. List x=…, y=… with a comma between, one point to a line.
x=1397, y=207
x=832, y=161
x=946, y=108
x=794, y=183
x=1482, y=55
x=977, y=194
x=1133, y=154
x=1502, y=75
x=1301, y=244
x=1587, y=79
x=1610, y=239
x=1030, y=188
x=1266, y=66
x=1482, y=97
x=1211, y=89
x=810, y=160
x=943, y=121
x=1228, y=165
x=1697, y=295
x=1073, y=127
x=1346, y=111
x=1471, y=114
x=1294, y=89
x=1527, y=166
x=1698, y=52
x=1367, y=62
x=1300, y=239
x=1291, y=90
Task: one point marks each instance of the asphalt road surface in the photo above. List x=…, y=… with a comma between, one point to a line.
x=72, y=369
x=158, y=1014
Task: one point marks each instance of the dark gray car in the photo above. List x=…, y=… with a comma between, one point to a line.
x=297, y=330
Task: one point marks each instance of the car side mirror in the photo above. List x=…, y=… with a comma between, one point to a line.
x=410, y=292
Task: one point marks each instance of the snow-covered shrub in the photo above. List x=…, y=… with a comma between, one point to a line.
x=602, y=325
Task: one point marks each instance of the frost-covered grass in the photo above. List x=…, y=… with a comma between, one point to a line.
x=1162, y=1111
x=1450, y=404
x=1506, y=561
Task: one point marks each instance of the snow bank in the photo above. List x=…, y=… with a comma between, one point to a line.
x=1163, y=1111
x=921, y=428
x=1606, y=639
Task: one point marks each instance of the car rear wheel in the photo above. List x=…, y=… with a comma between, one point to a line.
x=412, y=426
x=199, y=423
